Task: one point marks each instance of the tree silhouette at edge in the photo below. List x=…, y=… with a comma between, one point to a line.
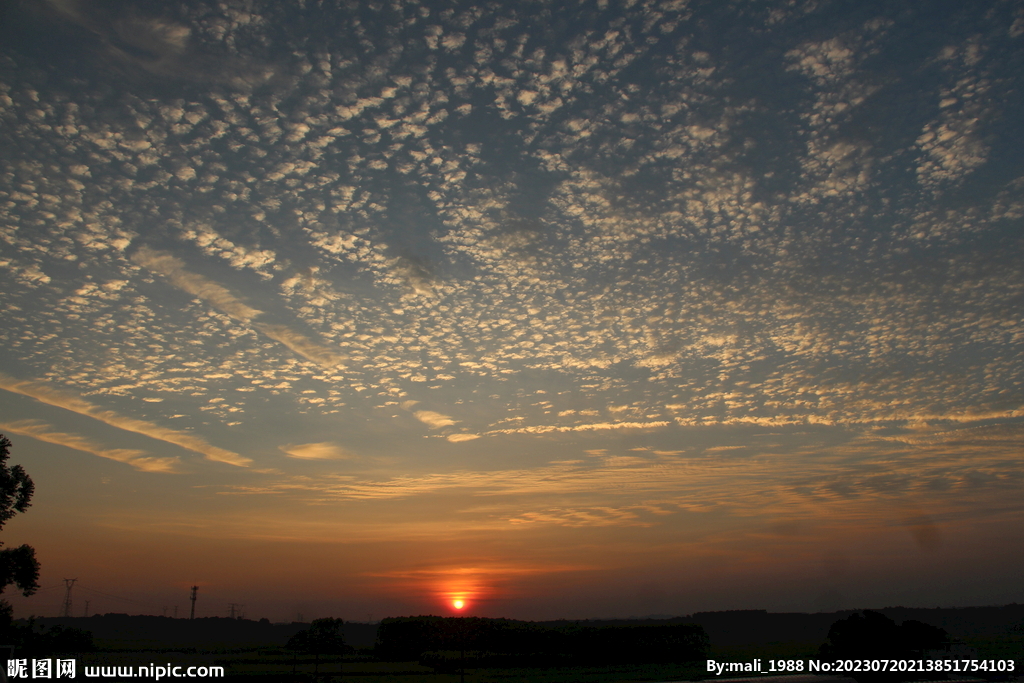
x=18, y=566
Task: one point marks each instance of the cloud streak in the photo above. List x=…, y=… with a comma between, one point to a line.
x=302, y=345
x=224, y=300
x=589, y=427
x=140, y=460
x=198, y=286
x=63, y=399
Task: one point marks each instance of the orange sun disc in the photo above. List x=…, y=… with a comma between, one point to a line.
x=458, y=604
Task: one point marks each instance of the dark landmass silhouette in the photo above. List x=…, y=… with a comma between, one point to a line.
x=122, y=631
x=446, y=642
x=728, y=628
x=749, y=627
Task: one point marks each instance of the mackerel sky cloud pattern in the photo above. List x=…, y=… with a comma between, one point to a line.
x=698, y=268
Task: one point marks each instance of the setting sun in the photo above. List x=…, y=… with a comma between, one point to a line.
x=458, y=604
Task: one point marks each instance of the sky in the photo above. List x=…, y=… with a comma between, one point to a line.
x=562, y=309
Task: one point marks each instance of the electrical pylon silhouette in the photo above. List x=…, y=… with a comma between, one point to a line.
x=69, y=583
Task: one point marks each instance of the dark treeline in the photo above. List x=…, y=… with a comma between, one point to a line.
x=724, y=629
x=748, y=627
x=872, y=635
x=494, y=642
x=206, y=633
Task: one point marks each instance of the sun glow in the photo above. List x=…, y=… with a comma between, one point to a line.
x=460, y=590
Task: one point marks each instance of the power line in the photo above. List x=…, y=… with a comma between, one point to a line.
x=67, y=605
x=50, y=588
x=108, y=595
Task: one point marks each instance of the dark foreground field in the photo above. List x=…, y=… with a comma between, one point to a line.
x=283, y=666
x=278, y=664
x=435, y=650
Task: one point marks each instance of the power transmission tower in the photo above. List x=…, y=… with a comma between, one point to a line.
x=86, y=609
x=69, y=583
x=195, y=589
x=235, y=606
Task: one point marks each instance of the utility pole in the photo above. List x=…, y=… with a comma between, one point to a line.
x=195, y=589
x=69, y=583
x=462, y=666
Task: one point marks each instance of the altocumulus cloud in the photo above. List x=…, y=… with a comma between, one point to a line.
x=432, y=419
x=324, y=450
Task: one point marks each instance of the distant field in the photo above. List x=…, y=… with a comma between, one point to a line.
x=999, y=647
x=790, y=649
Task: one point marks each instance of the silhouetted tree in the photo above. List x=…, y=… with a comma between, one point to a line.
x=18, y=566
x=873, y=635
x=406, y=638
x=870, y=635
x=323, y=637
x=918, y=636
